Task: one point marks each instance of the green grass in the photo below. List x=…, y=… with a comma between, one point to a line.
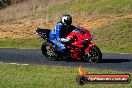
x=116, y=37
x=21, y=43
x=40, y=76
x=90, y=6
x=80, y=8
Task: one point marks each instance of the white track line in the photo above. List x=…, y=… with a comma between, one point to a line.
x=13, y=63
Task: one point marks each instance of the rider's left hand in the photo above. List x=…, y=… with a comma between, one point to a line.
x=65, y=40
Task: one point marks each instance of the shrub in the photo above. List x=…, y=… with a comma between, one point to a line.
x=4, y=3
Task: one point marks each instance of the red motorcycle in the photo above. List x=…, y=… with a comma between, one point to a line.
x=79, y=48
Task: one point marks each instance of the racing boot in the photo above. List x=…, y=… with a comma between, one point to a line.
x=64, y=54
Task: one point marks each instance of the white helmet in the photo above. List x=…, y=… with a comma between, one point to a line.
x=66, y=19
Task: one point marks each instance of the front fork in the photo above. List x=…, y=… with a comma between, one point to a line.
x=87, y=50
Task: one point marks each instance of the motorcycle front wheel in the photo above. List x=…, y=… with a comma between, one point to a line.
x=48, y=51
x=94, y=55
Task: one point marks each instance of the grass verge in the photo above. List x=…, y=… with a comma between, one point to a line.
x=20, y=43
x=35, y=44
x=54, y=8
x=86, y=7
x=115, y=37
x=41, y=76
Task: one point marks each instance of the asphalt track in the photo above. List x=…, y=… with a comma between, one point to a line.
x=113, y=61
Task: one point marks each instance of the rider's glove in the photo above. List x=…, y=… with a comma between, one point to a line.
x=64, y=39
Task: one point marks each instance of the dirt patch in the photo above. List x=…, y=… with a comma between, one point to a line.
x=25, y=29
x=103, y=20
x=17, y=31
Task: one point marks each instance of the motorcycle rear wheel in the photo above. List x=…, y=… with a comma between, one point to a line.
x=48, y=51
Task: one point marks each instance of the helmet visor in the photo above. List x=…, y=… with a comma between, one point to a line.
x=68, y=22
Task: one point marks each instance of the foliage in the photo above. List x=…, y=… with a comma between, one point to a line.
x=4, y=3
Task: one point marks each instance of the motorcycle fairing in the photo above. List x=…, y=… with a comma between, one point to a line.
x=43, y=32
x=88, y=48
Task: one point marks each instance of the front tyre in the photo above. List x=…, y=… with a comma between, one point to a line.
x=95, y=54
x=48, y=51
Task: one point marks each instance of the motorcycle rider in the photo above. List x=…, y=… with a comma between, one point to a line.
x=60, y=31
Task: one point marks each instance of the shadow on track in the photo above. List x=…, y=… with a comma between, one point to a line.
x=102, y=61
x=114, y=60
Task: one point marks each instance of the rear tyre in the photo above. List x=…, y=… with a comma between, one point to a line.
x=48, y=51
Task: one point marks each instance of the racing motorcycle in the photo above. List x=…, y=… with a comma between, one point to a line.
x=79, y=47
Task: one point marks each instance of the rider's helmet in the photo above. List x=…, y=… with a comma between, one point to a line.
x=66, y=19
